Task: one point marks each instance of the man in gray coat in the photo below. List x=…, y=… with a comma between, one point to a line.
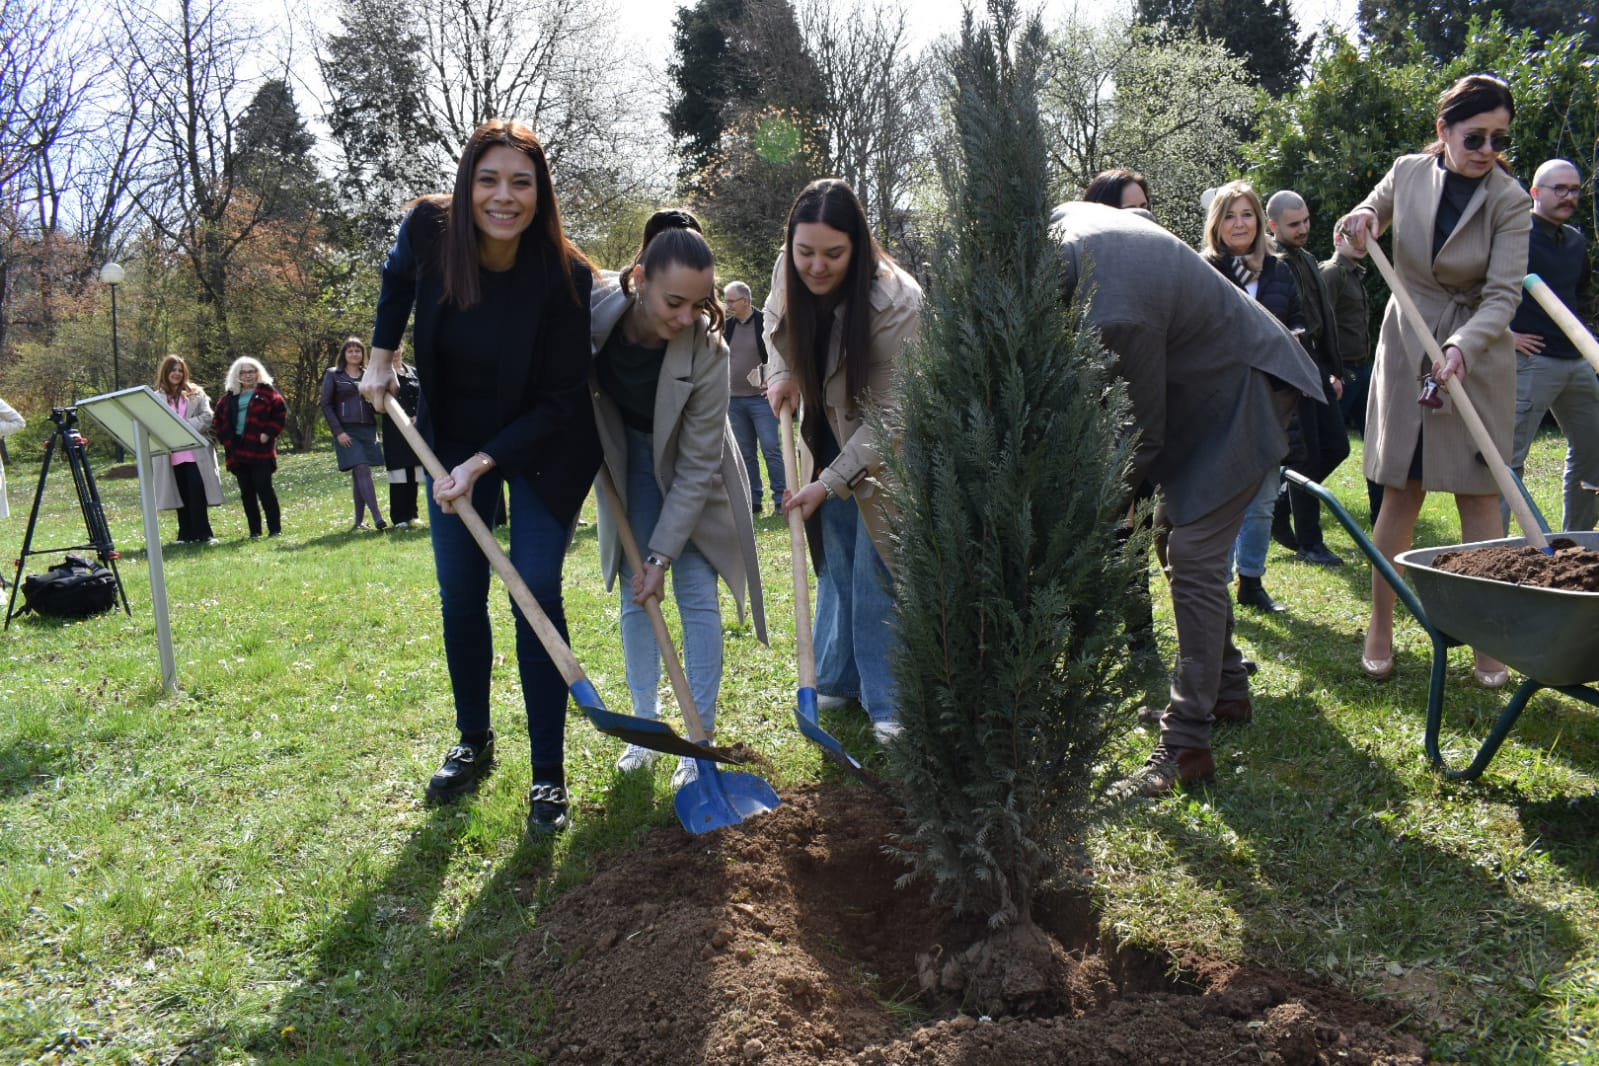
x=1212, y=378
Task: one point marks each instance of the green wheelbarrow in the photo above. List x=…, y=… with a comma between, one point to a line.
x=1549, y=635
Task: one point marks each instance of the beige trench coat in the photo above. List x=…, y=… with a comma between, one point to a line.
x=896, y=322
x=162, y=481
x=1468, y=295
x=705, y=493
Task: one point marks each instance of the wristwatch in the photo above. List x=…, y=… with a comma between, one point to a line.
x=655, y=560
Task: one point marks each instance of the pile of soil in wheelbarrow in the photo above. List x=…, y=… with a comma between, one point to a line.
x=783, y=941
x=1572, y=568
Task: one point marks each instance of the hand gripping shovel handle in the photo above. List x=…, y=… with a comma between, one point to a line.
x=713, y=800
x=652, y=607
x=656, y=735
x=1568, y=322
x=1468, y=412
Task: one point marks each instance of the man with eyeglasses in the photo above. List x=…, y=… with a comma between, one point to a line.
x=1551, y=374
x=747, y=410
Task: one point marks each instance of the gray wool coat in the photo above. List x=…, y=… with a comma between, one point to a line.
x=705, y=493
x=1200, y=357
x=1468, y=295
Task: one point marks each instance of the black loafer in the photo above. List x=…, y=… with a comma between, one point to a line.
x=463, y=766
x=547, y=814
x=1320, y=555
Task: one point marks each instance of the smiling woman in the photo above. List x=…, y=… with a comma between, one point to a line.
x=500, y=298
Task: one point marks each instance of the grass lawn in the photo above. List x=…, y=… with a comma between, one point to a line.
x=245, y=871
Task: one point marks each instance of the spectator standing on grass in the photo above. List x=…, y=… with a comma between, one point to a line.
x=354, y=423
x=500, y=297
x=1345, y=277
x=187, y=481
x=1551, y=375
x=1235, y=244
x=839, y=316
x=1460, y=224
x=1324, y=442
x=1212, y=378
x=249, y=419
x=660, y=386
x=10, y=422
x=747, y=410
x=404, y=469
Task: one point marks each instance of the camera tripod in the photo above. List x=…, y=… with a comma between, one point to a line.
x=71, y=444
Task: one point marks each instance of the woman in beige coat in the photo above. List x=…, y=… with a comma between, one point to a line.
x=839, y=316
x=1460, y=225
x=660, y=405
x=187, y=481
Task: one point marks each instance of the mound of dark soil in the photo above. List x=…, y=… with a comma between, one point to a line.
x=1571, y=568
x=784, y=941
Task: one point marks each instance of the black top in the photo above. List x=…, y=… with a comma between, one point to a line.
x=1458, y=191
x=628, y=374
x=1559, y=255
x=466, y=412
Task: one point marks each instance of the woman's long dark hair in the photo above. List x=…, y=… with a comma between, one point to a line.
x=460, y=247
x=833, y=203
x=674, y=238
x=1469, y=97
x=1108, y=185
x=185, y=387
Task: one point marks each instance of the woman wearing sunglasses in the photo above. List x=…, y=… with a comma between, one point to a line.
x=1460, y=224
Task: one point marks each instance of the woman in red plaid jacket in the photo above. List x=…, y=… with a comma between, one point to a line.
x=248, y=419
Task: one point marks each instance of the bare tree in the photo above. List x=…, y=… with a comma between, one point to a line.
x=877, y=114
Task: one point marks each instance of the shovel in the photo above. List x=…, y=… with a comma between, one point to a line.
x=640, y=731
x=713, y=800
x=1468, y=413
x=806, y=714
x=1569, y=323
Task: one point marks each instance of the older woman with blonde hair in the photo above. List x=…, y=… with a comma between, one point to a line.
x=250, y=417
x=187, y=481
x=1235, y=244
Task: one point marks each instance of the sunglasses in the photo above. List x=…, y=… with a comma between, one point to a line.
x=1473, y=141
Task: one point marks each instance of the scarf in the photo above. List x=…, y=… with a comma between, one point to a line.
x=1240, y=270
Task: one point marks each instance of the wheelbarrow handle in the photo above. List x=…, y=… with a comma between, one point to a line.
x=1530, y=525
x=652, y=607
x=548, y=635
x=1568, y=322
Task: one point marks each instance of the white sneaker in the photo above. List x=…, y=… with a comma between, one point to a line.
x=831, y=703
x=886, y=732
x=687, y=771
x=634, y=757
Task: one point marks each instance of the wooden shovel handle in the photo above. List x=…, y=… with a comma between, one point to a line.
x=806, y=648
x=1468, y=412
x=1569, y=323
x=652, y=607
x=548, y=635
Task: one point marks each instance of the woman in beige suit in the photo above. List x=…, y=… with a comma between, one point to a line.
x=839, y=316
x=1460, y=225
x=660, y=404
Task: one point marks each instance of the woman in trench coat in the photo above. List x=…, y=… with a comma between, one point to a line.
x=1460, y=224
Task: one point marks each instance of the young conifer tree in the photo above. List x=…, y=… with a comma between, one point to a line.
x=1010, y=485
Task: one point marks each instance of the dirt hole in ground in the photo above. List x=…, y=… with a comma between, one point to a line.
x=784, y=941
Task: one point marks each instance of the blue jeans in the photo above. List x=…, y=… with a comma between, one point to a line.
x=855, y=636
x=538, y=548
x=752, y=419
x=693, y=581
x=1254, y=537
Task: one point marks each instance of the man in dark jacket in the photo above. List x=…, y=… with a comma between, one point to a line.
x=1345, y=278
x=1212, y=378
x=1551, y=374
x=747, y=410
x=1321, y=424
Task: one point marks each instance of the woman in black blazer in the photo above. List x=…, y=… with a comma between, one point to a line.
x=500, y=298
x=1235, y=244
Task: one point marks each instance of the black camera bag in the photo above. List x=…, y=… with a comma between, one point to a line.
x=74, y=588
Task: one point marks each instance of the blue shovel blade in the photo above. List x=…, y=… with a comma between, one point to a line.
x=717, y=799
x=806, y=717
x=645, y=732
